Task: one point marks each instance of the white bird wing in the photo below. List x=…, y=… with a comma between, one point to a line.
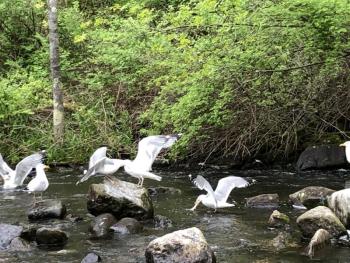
x=97, y=155
x=98, y=166
x=203, y=184
x=24, y=167
x=225, y=186
x=149, y=148
x=4, y=168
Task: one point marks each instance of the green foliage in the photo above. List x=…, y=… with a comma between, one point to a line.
x=236, y=78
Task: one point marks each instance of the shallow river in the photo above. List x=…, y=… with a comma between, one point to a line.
x=237, y=234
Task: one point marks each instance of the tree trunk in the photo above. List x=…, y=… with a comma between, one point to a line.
x=58, y=110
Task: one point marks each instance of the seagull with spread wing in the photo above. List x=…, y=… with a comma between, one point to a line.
x=218, y=198
x=148, y=149
x=15, y=178
x=100, y=164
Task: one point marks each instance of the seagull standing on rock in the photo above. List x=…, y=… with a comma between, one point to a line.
x=15, y=178
x=140, y=167
x=217, y=199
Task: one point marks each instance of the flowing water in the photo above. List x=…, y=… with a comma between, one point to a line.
x=236, y=234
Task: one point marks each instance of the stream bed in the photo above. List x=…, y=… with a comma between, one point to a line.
x=237, y=234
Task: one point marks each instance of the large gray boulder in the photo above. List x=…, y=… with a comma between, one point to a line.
x=263, y=201
x=121, y=199
x=322, y=156
x=320, y=217
x=100, y=226
x=311, y=196
x=185, y=246
x=47, y=209
x=51, y=237
x=339, y=202
x=8, y=233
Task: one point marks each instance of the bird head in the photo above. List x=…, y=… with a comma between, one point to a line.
x=345, y=144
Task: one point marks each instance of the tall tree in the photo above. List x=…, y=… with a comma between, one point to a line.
x=58, y=109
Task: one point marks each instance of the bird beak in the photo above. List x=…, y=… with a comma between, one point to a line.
x=343, y=144
x=46, y=167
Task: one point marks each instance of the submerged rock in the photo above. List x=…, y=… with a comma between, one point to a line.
x=154, y=191
x=100, y=226
x=282, y=240
x=322, y=156
x=186, y=246
x=47, y=209
x=127, y=225
x=29, y=233
x=51, y=237
x=278, y=219
x=339, y=202
x=263, y=201
x=91, y=258
x=8, y=233
x=162, y=222
x=320, y=217
x=19, y=244
x=122, y=199
x=311, y=196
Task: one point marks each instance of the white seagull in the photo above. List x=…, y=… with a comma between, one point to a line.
x=100, y=164
x=148, y=149
x=218, y=198
x=347, y=150
x=15, y=178
x=39, y=183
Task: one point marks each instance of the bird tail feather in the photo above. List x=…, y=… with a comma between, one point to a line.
x=152, y=176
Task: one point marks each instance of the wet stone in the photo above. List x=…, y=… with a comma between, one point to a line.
x=122, y=199
x=188, y=245
x=19, y=244
x=8, y=233
x=311, y=196
x=47, y=209
x=126, y=226
x=278, y=219
x=29, y=233
x=100, y=226
x=162, y=222
x=263, y=201
x=91, y=258
x=51, y=237
x=339, y=203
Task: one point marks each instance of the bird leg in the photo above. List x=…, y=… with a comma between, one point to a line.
x=34, y=198
x=141, y=181
x=195, y=205
x=41, y=196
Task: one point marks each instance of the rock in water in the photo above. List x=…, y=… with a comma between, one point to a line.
x=162, y=222
x=8, y=233
x=91, y=258
x=263, y=201
x=155, y=191
x=322, y=156
x=47, y=209
x=278, y=219
x=51, y=237
x=185, y=246
x=320, y=238
x=19, y=244
x=320, y=217
x=100, y=226
x=311, y=196
x=339, y=202
x=126, y=226
x=121, y=199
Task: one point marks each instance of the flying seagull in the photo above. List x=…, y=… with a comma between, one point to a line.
x=347, y=150
x=15, y=178
x=218, y=198
x=100, y=164
x=39, y=183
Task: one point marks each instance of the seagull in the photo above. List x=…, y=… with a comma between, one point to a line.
x=15, y=178
x=39, y=183
x=347, y=150
x=148, y=149
x=218, y=198
x=100, y=164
